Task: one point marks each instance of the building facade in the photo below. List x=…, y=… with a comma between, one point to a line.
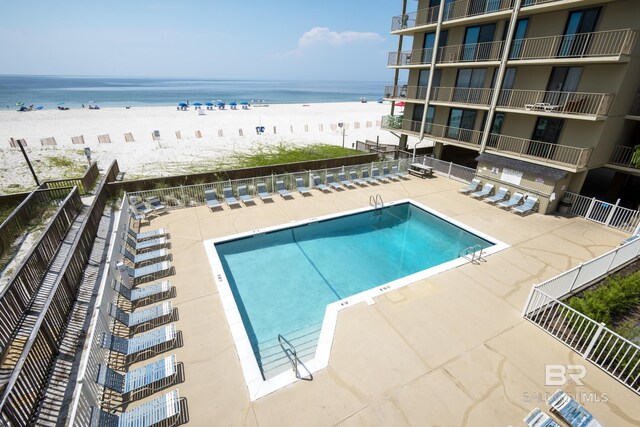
x=537, y=94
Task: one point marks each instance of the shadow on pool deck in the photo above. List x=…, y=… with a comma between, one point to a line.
x=449, y=350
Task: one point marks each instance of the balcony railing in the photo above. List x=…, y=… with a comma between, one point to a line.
x=474, y=96
x=476, y=52
x=584, y=45
x=635, y=108
x=544, y=152
x=540, y=151
x=574, y=103
x=625, y=156
x=410, y=57
x=455, y=10
x=404, y=92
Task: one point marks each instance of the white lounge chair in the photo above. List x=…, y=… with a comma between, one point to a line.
x=498, y=197
x=354, y=178
x=537, y=418
x=487, y=189
x=389, y=175
x=375, y=174
x=513, y=201
x=144, y=295
x=149, y=234
x=244, y=196
x=402, y=175
x=282, y=191
x=342, y=179
x=331, y=182
x=212, y=199
x=526, y=207
x=148, y=272
x=473, y=186
x=147, y=245
x=229, y=198
x=366, y=178
x=264, y=195
x=156, y=205
x=571, y=411
x=163, y=410
x=319, y=185
x=142, y=346
x=302, y=189
x=145, y=319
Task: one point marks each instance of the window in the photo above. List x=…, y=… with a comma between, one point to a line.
x=461, y=124
x=469, y=78
x=562, y=81
x=418, y=112
x=477, y=42
x=507, y=85
x=579, y=23
x=423, y=78
x=547, y=130
x=496, y=127
x=518, y=38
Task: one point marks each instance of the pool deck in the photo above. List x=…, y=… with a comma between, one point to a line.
x=450, y=350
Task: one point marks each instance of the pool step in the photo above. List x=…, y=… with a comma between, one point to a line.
x=273, y=360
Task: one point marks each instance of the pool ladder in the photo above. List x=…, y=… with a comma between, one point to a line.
x=291, y=353
x=476, y=253
x=377, y=203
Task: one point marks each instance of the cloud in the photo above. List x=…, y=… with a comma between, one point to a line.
x=324, y=36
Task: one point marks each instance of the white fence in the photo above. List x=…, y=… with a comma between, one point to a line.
x=605, y=213
x=613, y=353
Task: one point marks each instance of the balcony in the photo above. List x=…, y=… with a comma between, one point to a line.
x=628, y=157
x=462, y=53
x=597, y=46
x=405, y=93
x=634, y=113
x=460, y=95
x=566, y=157
x=410, y=57
x=561, y=156
x=587, y=106
x=456, y=10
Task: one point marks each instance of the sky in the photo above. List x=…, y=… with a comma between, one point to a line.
x=251, y=39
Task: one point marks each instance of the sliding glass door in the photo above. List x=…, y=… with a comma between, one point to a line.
x=575, y=40
x=461, y=124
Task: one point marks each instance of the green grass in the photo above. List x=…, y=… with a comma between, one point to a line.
x=70, y=168
x=265, y=155
x=617, y=299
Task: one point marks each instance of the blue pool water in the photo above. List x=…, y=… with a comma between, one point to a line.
x=283, y=280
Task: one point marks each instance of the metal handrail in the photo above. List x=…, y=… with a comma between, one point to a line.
x=376, y=202
x=473, y=251
x=291, y=353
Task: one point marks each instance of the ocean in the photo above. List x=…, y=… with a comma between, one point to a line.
x=73, y=91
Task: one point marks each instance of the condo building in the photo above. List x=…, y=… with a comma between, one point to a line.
x=541, y=96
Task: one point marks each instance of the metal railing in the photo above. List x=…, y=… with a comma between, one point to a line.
x=625, y=156
x=465, y=137
x=583, y=45
x=542, y=151
x=455, y=10
x=462, y=95
x=476, y=52
x=405, y=92
x=611, y=215
x=574, y=103
x=410, y=57
x=613, y=353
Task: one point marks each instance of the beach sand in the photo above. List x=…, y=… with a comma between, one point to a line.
x=223, y=133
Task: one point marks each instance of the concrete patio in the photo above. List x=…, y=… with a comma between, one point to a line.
x=451, y=350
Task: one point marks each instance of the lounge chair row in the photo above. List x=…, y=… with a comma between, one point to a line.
x=141, y=210
x=517, y=203
x=147, y=334
x=566, y=408
x=242, y=196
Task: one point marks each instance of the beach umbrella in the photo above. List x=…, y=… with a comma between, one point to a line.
x=244, y=103
x=220, y=104
x=209, y=104
x=182, y=104
x=39, y=107
x=233, y=103
x=197, y=104
x=400, y=104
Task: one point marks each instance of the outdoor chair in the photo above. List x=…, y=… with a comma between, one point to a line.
x=473, y=186
x=282, y=191
x=150, y=234
x=156, y=205
x=244, y=196
x=571, y=411
x=397, y=172
x=354, y=177
x=537, y=418
x=302, y=189
x=229, y=198
x=487, y=189
x=526, y=207
x=147, y=257
x=144, y=295
x=147, y=245
x=513, y=201
x=331, y=182
x=148, y=272
x=388, y=175
x=375, y=174
x=146, y=318
x=212, y=199
x=163, y=410
x=141, y=209
x=143, y=381
x=342, y=179
x=366, y=178
x=319, y=185
x=500, y=195
x=264, y=195
x=142, y=346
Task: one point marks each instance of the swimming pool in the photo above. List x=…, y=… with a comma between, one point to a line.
x=283, y=281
